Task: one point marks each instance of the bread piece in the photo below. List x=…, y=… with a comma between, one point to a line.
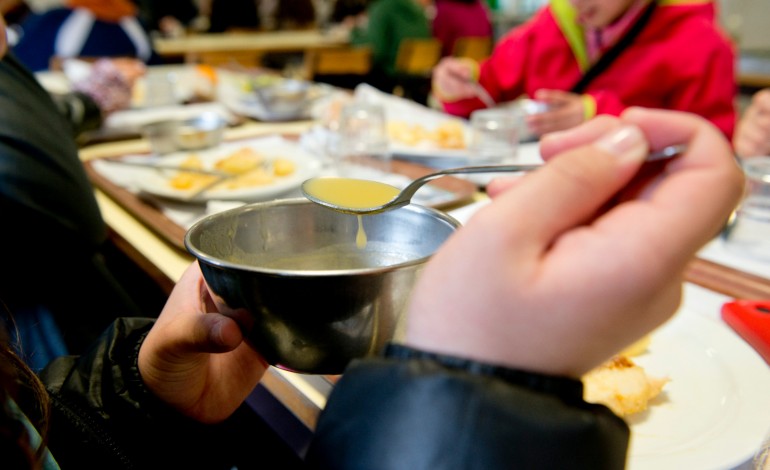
x=621, y=385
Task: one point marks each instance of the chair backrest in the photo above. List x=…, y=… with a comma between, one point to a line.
x=474, y=47
x=418, y=56
x=340, y=61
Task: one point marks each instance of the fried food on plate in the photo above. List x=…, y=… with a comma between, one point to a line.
x=622, y=386
x=447, y=134
x=249, y=167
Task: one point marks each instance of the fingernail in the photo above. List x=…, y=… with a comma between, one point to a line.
x=627, y=143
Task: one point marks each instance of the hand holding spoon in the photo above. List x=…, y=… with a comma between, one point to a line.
x=362, y=197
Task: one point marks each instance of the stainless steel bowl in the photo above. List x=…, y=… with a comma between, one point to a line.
x=306, y=296
x=286, y=99
x=200, y=132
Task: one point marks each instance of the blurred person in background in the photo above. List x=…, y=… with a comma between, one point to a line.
x=460, y=18
x=84, y=28
x=58, y=243
x=347, y=11
x=587, y=57
x=385, y=24
x=295, y=14
x=289, y=15
x=231, y=15
x=167, y=17
x=14, y=10
x=752, y=134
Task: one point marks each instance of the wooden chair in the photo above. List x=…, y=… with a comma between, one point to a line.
x=220, y=58
x=418, y=56
x=414, y=66
x=345, y=60
x=345, y=67
x=474, y=47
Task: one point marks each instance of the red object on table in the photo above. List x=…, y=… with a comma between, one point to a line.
x=751, y=320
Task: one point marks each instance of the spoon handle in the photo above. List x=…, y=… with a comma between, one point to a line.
x=408, y=192
x=411, y=188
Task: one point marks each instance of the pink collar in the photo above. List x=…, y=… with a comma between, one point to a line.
x=600, y=39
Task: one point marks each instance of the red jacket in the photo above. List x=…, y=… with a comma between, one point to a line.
x=455, y=19
x=680, y=61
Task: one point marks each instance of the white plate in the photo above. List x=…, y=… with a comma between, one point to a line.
x=156, y=182
x=715, y=411
x=431, y=156
x=247, y=106
x=425, y=152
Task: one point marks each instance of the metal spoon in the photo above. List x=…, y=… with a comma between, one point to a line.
x=483, y=95
x=310, y=188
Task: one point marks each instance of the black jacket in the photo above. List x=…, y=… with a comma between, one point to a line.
x=408, y=410
x=52, y=217
x=104, y=418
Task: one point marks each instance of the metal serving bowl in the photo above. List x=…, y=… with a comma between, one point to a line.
x=285, y=99
x=200, y=132
x=306, y=296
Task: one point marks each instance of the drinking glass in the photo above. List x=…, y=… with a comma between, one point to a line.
x=748, y=231
x=495, y=136
x=160, y=89
x=362, y=149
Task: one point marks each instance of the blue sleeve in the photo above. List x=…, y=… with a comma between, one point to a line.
x=36, y=44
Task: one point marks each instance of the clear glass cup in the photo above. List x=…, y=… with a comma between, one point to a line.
x=748, y=231
x=495, y=135
x=159, y=89
x=362, y=149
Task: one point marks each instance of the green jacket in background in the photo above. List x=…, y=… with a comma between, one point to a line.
x=390, y=21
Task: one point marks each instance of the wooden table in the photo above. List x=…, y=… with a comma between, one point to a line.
x=245, y=48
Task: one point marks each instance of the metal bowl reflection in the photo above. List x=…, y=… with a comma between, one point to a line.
x=286, y=99
x=200, y=132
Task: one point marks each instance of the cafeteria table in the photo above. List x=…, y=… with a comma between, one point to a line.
x=245, y=48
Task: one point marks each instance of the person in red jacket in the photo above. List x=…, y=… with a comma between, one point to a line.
x=679, y=60
x=460, y=18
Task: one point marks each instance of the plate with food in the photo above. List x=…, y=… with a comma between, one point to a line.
x=441, y=142
x=418, y=133
x=251, y=170
x=697, y=396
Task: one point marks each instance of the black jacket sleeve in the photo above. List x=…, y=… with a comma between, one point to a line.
x=407, y=410
x=80, y=110
x=103, y=417
x=433, y=412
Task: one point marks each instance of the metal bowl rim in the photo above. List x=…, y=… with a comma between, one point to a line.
x=208, y=259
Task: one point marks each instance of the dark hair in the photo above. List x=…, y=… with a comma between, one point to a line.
x=20, y=385
x=295, y=14
x=345, y=8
